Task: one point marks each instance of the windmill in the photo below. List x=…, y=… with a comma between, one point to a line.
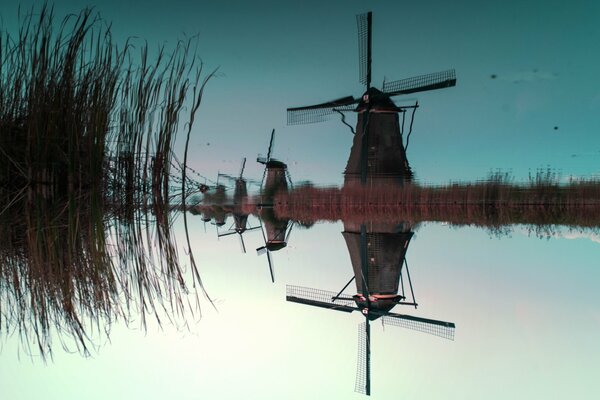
x=377, y=294
x=275, y=179
x=378, y=149
x=215, y=201
x=275, y=176
x=240, y=219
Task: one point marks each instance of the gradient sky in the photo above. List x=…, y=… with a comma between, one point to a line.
x=525, y=308
x=277, y=54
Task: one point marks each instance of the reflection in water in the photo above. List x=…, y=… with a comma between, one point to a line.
x=275, y=180
x=88, y=179
x=240, y=219
x=494, y=203
x=377, y=253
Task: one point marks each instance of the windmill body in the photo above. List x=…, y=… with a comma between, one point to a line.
x=276, y=230
x=379, y=278
x=275, y=177
x=240, y=193
x=378, y=129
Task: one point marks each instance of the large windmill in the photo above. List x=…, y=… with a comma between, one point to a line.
x=378, y=150
x=377, y=269
x=240, y=219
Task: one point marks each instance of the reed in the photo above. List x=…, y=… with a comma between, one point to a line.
x=87, y=132
x=494, y=202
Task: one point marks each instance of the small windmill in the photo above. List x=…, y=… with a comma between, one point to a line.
x=372, y=302
x=378, y=150
x=240, y=219
x=275, y=176
x=275, y=179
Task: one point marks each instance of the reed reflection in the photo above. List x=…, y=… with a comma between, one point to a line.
x=89, y=180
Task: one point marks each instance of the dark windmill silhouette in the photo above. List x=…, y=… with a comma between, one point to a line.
x=377, y=260
x=240, y=219
x=217, y=201
x=276, y=234
x=275, y=176
x=276, y=231
x=378, y=150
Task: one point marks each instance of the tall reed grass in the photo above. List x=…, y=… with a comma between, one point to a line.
x=492, y=203
x=87, y=134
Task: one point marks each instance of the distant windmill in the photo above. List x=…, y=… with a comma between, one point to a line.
x=240, y=219
x=378, y=151
x=377, y=287
x=275, y=179
x=275, y=176
x=216, y=201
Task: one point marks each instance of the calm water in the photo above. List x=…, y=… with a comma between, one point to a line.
x=524, y=302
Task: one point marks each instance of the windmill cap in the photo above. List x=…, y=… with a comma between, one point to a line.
x=380, y=305
x=276, y=164
x=377, y=100
x=274, y=246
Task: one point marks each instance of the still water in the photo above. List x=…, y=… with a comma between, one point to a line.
x=507, y=298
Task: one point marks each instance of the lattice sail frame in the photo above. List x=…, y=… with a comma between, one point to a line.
x=420, y=83
x=441, y=329
x=315, y=115
x=363, y=362
x=317, y=295
x=362, y=24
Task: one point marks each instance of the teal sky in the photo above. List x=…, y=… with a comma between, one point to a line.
x=277, y=54
x=525, y=308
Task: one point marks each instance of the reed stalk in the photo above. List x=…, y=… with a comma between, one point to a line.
x=87, y=134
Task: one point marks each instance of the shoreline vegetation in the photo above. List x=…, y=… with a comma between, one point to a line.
x=492, y=203
x=89, y=176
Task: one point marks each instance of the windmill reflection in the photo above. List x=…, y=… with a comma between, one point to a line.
x=378, y=257
x=240, y=218
x=275, y=180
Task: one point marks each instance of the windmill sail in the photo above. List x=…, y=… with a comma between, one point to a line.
x=319, y=112
x=319, y=298
x=421, y=83
x=363, y=22
x=264, y=160
x=270, y=266
x=431, y=326
x=363, y=363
